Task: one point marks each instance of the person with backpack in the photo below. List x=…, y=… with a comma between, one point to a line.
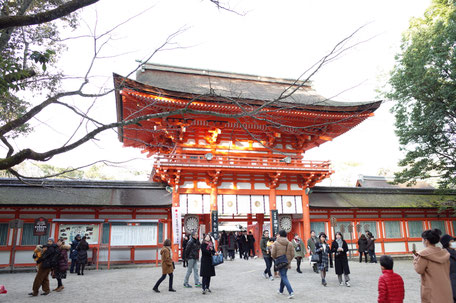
x=74, y=252
x=283, y=253
x=46, y=262
x=59, y=272
x=82, y=249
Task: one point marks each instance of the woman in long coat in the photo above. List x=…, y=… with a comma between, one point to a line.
x=207, y=270
x=167, y=265
x=60, y=271
x=300, y=251
x=433, y=264
x=324, y=253
x=448, y=242
x=362, y=248
x=82, y=249
x=339, y=247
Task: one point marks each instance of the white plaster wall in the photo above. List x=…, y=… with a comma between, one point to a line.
x=419, y=245
x=120, y=254
x=206, y=204
x=24, y=257
x=4, y=257
x=260, y=186
x=227, y=185
x=282, y=186
x=243, y=204
x=187, y=184
x=195, y=204
x=145, y=254
x=295, y=187
x=394, y=247
x=202, y=185
x=242, y=185
x=378, y=247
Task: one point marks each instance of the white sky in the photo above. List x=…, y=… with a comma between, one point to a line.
x=274, y=38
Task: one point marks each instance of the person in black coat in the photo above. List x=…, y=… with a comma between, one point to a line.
x=448, y=243
x=184, y=244
x=251, y=244
x=339, y=247
x=74, y=252
x=223, y=242
x=207, y=270
x=231, y=245
x=362, y=248
x=47, y=261
x=371, y=247
x=82, y=249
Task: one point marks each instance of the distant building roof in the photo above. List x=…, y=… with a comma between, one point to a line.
x=83, y=193
x=200, y=82
x=358, y=197
x=386, y=182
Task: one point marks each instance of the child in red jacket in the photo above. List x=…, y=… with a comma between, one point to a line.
x=390, y=284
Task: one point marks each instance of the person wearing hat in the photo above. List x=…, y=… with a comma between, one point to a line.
x=449, y=243
x=45, y=263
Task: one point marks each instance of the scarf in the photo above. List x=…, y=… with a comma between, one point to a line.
x=339, y=242
x=210, y=246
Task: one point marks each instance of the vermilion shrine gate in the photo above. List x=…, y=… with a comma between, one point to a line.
x=238, y=148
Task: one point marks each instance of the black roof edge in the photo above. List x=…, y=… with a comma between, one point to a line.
x=378, y=190
x=11, y=182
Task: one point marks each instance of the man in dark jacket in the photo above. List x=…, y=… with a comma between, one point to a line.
x=251, y=244
x=311, y=247
x=231, y=245
x=48, y=260
x=448, y=242
x=224, y=244
x=266, y=255
x=191, y=254
x=74, y=252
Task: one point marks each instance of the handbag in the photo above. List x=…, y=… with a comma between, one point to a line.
x=281, y=262
x=314, y=258
x=217, y=259
x=174, y=266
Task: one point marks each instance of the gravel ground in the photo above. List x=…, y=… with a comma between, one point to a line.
x=237, y=280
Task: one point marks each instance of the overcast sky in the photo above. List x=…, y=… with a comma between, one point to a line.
x=273, y=38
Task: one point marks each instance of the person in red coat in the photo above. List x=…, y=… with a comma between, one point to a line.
x=390, y=284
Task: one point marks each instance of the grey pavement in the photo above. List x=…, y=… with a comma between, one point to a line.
x=235, y=281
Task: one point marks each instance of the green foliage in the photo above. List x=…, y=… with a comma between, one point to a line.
x=26, y=55
x=423, y=82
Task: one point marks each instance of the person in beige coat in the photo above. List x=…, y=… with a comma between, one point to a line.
x=167, y=266
x=433, y=264
x=280, y=248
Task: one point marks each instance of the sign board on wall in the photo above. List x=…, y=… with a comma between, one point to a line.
x=177, y=224
x=134, y=235
x=275, y=221
x=69, y=231
x=40, y=227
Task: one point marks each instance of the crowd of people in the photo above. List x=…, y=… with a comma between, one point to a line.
x=52, y=259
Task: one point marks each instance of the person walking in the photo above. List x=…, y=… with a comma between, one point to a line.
x=371, y=247
x=191, y=254
x=266, y=255
x=224, y=244
x=283, y=247
x=74, y=252
x=82, y=249
x=448, y=242
x=207, y=269
x=45, y=263
x=251, y=245
x=184, y=244
x=339, y=247
x=311, y=247
x=300, y=251
x=362, y=248
x=433, y=264
x=167, y=265
x=390, y=284
x=231, y=246
x=324, y=257
x=59, y=272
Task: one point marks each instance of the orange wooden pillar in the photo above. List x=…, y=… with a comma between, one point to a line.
x=175, y=247
x=213, y=207
x=305, y=215
x=272, y=207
